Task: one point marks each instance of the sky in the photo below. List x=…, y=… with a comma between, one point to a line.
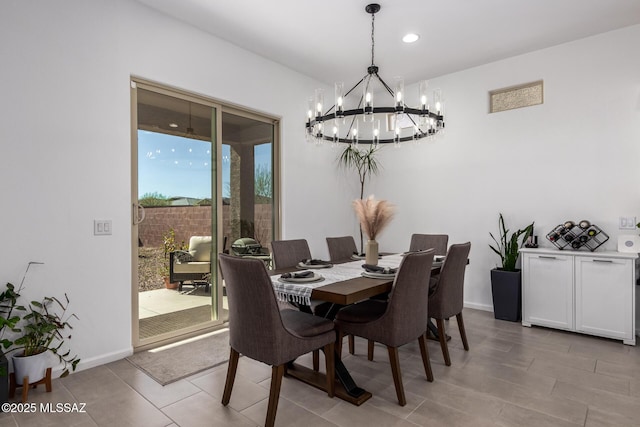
x=174, y=166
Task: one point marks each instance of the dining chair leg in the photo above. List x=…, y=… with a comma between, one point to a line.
x=231, y=376
x=352, y=345
x=443, y=341
x=340, y=337
x=426, y=361
x=329, y=357
x=370, y=347
x=463, y=333
x=277, y=373
x=397, y=374
x=316, y=360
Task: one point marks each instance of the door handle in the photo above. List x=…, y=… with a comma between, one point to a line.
x=603, y=260
x=138, y=214
x=546, y=257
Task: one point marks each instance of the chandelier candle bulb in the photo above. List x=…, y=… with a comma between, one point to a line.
x=368, y=102
x=319, y=103
x=437, y=101
x=422, y=93
x=339, y=91
x=399, y=94
x=354, y=134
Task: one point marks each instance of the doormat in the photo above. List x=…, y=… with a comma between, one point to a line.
x=176, y=361
x=169, y=322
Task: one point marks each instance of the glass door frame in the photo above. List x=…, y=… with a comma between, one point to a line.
x=217, y=293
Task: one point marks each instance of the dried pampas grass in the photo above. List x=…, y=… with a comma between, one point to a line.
x=374, y=215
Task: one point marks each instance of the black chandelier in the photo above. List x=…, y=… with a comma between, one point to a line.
x=357, y=119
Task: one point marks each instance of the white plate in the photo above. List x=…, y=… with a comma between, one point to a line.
x=305, y=266
x=372, y=275
x=361, y=257
x=315, y=278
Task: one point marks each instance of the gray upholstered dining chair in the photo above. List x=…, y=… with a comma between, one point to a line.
x=341, y=248
x=398, y=321
x=447, y=298
x=288, y=253
x=258, y=329
x=421, y=242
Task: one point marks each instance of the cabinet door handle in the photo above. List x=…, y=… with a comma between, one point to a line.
x=546, y=257
x=603, y=260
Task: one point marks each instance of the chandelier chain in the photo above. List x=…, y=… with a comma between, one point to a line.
x=373, y=41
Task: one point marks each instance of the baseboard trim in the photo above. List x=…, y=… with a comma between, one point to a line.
x=98, y=360
x=483, y=307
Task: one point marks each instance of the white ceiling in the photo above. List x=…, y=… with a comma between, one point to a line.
x=330, y=40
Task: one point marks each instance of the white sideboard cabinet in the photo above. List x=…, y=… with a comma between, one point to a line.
x=586, y=292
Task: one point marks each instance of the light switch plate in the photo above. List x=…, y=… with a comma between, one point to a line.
x=101, y=227
x=627, y=223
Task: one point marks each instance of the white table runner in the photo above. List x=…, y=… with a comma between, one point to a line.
x=301, y=292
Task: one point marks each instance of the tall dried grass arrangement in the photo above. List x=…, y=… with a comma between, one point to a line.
x=374, y=215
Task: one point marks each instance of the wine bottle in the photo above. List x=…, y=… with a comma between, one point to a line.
x=584, y=224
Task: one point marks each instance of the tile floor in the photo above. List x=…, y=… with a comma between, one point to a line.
x=512, y=376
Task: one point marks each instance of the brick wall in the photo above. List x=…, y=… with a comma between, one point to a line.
x=190, y=221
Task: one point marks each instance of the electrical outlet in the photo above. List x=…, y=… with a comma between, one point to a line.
x=627, y=223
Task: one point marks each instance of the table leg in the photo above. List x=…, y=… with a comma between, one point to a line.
x=434, y=336
x=343, y=375
x=345, y=388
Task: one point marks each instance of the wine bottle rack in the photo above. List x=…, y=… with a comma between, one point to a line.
x=577, y=236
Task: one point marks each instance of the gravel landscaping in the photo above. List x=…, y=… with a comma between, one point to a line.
x=150, y=262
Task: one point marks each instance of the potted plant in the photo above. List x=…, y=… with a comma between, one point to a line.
x=44, y=330
x=365, y=163
x=10, y=316
x=8, y=321
x=506, y=281
x=374, y=216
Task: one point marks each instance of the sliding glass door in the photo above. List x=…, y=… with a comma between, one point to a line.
x=204, y=181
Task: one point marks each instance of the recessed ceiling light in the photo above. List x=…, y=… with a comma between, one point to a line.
x=173, y=125
x=410, y=38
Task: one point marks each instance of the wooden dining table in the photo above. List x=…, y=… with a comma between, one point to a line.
x=342, y=293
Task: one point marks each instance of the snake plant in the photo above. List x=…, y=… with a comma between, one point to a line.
x=507, y=247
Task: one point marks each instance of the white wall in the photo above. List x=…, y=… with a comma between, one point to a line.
x=574, y=157
x=65, y=149
x=65, y=143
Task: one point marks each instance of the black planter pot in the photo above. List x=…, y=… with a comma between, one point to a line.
x=506, y=288
x=4, y=378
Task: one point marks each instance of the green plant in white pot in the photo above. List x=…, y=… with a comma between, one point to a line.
x=44, y=331
x=506, y=281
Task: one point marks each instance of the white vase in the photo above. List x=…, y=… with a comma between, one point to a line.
x=371, y=252
x=34, y=367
